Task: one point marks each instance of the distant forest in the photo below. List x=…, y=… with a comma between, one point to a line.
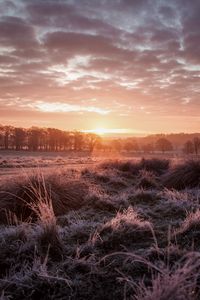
x=45, y=139
x=52, y=139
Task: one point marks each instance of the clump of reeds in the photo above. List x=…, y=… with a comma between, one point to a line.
x=17, y=196
x=189, y=231
x=155, y=165
x=186, y=175
x=179, y=283
x=126, y=228
x=146, y=180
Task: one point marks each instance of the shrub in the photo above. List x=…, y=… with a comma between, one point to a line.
x=127, y=229
x=186, y=175
x=100, y=201
x=18, y=196
x=189, y=232
x=123, y=166
x=146, y=179
x=178, y=284
x=158, y=166
x=142, y=196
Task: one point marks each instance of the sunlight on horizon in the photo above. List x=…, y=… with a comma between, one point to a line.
x=107, y=131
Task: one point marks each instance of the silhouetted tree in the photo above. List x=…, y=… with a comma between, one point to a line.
x=116, y=145
x=188, y=147
x=1, y=136
x=92, y=141
x=34, y=135
x=163, y=145
x=78, y=141
x=131, y=146
x=19, y=138
x=148, y=148
x=7, y=134
x=196, y=143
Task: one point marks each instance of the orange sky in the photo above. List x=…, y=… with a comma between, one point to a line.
x=127, y=65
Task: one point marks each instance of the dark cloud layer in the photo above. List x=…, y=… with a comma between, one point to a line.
x=130, y=58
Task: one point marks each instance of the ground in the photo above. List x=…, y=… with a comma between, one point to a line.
x=91, y=228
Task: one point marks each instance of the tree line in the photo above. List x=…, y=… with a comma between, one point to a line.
x=192, y=146
x=45, y=139
x=160, y=145
x=52, y=139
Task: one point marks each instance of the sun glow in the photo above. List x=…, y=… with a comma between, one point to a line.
x=101, y=131
x=104, y=131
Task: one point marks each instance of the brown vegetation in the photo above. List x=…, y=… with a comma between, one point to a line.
x=111, y=232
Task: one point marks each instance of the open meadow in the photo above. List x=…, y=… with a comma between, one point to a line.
x=14, y=163
x=96, y=228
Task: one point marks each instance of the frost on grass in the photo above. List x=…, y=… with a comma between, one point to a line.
x=125, y=229
x=178, y=284
x=147, y=180
x=188, y=234
x=185, y=175
x=119, y=230
x=21, y=196
x=140, y=196
x=157, y=166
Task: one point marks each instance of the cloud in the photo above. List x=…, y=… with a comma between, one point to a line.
x=16, y=32
x=64, y=107
x=125, y=54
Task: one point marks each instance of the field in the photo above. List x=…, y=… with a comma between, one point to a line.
x=13, y=163
x=95, y=228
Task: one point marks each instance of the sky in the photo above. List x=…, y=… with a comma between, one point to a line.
x=128, y=66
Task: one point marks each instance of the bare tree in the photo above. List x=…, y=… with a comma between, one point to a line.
x=148, y=147
x=116, y=145
x=19, y=138
x=78, y=141
x=196, y=143
x=92, y=141
x=131, y=146
x=163, y=145
x=8, y=130
x=188, y=147
x=34, y=135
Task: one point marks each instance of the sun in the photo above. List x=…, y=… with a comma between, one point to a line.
x=101, y=131
x=109, y=131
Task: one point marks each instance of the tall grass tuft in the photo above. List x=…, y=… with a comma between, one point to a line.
x=146, y=180
x=15, y=197
x=178, y=284
x=189, y=231
x=48, y=238
x=186, y=175
x=155, y=165
x=126, y=228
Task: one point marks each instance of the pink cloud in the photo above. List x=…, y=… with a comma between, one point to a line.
x=134, y=54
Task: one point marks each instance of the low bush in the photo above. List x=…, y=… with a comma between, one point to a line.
x=146, y=180
x=186, y=175
x=19, y=197
x=157, y=166
x=188, y=234
x=125, y=229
